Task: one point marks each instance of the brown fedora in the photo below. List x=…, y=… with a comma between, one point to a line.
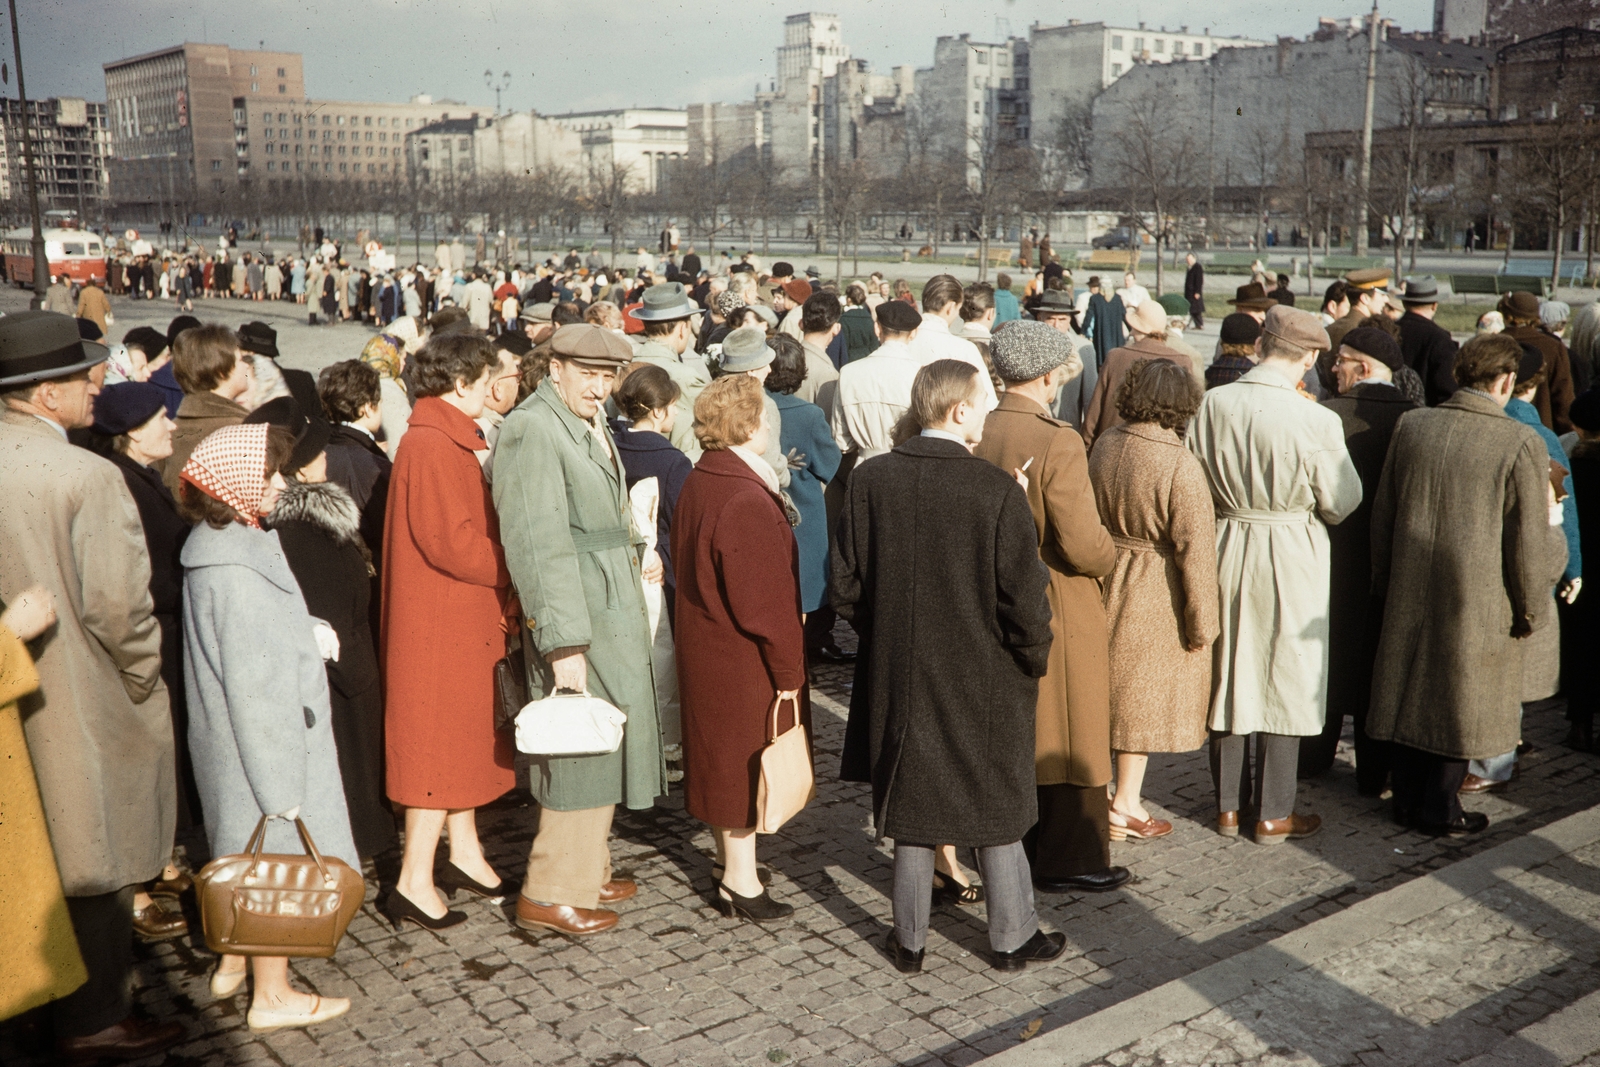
x=1523, y=305
x=1253, y=296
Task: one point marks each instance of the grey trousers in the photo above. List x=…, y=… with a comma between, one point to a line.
x=1273, y=788
x=1007, y=889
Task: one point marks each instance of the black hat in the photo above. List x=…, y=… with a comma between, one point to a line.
x=36, y=346
x=259, y=338
x=1375, y=344
x=126, y=406
x=1240, y=329
x=147, y=339
x=1054, y=302
x=897, y=316
x=178, y=325
x=782, y=269
x=1532, y=363
x=90, y=330
x=310, y=435
x=1585, y=411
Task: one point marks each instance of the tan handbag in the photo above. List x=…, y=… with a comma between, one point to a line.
x=787, y=782
x=277, y=905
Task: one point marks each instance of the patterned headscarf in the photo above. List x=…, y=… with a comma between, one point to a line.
x=727, y=302
x=230, y=464
x=382, y=354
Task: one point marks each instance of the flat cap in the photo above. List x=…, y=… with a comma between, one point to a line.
x=1299, y=328
x=538, y=312
x=746, y=349
x=1026, y=350
x=898, y=316
x=1375, y=344
x=1371, y=278
x=765, y=314
x=595, y=346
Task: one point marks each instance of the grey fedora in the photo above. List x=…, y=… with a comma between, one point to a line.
x=36, y=346
x=746, y=349
x=1054, y=302
x=668, y=300
x=1420, y=289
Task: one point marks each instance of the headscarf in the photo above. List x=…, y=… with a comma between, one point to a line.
x=230, y=465
x=728, y=301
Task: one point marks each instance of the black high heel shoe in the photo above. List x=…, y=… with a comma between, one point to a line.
x=757, y=909
x=946, y=890
x=763, y=875
x=451, y=878
x=400, y=910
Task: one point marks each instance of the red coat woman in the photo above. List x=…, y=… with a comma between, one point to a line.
x=445, y=586
x=738, y=631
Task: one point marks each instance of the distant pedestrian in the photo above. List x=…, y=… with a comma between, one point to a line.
x=1194, y=291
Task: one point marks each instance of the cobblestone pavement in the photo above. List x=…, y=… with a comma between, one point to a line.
x=677, y=984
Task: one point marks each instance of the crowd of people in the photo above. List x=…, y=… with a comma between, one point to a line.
x=1062, y=538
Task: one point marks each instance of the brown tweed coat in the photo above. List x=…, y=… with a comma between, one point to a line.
x=1073, y=724
x=1161, y=594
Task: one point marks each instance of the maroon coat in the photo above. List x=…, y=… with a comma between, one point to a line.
x=737, y=636
x=445, y=586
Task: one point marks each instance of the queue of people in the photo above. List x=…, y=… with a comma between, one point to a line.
x=273, y=596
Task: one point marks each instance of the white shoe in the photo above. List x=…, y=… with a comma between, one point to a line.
x=225, y=984
x=322, y=1009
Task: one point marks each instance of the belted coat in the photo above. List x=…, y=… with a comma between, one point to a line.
x=574, y=557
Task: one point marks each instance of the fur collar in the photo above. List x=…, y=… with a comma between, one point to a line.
x=325, y=505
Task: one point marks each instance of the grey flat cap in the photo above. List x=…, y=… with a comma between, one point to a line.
x=746, y=349
x=1026, y=350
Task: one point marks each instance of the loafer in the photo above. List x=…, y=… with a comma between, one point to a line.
x=322, y=1009
x=172, y=888
x=131, y=1039
x=156, y=923
x=1470, y=822
x=905, y=961
x=1228, y=823
x=1039, y=948
x=1124, y=827
x=1473, y=784
x=1097, y=882
x=563, y=918
x=617, y=890
x=225, y=984
x=1277, y=831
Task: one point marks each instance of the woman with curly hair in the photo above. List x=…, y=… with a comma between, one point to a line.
x=1161, y=594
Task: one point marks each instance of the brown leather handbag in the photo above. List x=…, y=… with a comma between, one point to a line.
x=277, y=905
x=787, y=782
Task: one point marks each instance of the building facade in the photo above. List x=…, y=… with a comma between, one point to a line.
x=333, y=140
x=646, y=142
x=970, y=97
x=71, y=146
x=813, y=49
x=457, y=150
x=719, y=134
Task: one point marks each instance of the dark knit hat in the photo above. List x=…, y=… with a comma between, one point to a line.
x=90, y=330
x=126, y=406
x=1375, y=344
x=1585, y=411
x=898, y=316
x=1240, y=329
x=1025, y=350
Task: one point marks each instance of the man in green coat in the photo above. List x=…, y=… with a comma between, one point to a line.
x=669, y=343
x=574, y=558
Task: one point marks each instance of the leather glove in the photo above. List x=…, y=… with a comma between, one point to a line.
x=796, y=459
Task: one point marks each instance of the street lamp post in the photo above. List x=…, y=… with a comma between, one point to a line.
x=488, y=79
x=41, y=265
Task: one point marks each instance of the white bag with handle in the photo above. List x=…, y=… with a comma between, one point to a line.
x=569, y=724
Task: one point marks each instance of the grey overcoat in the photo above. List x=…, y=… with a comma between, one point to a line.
x=574, y=554
x=260, y=727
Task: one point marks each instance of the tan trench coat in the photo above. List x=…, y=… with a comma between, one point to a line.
x=1073, y=724
x=99, y=728
x=1161, y=594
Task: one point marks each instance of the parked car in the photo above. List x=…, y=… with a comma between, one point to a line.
x=1121, y=237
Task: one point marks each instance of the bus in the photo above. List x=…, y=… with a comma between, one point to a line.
x=78, y=254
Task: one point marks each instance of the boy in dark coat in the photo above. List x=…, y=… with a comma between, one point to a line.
x=935, y=564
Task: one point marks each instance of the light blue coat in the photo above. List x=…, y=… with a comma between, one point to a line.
x=260, y=728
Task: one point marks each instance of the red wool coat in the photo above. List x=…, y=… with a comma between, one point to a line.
x=445, y=588
x=737, y=632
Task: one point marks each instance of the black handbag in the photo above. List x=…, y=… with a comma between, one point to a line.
x=510, y=687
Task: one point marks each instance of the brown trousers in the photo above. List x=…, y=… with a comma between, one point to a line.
x=570, y=859
x=1073, y=834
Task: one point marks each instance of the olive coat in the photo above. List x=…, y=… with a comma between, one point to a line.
x=574, y=558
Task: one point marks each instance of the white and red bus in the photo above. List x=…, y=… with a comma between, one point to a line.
x=78, y=254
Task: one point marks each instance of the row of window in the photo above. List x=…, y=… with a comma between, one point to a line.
x=327, y=149
x=327, y=168
x=1158, y=46
x=282, y=73
x=334, y=120
x=327, y=135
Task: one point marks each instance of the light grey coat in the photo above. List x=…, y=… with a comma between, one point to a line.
x=260, y=728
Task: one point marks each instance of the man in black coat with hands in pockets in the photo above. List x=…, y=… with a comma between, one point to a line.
x=936, y=566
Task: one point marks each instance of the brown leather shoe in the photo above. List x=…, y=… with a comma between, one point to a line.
x=1228, y=823
x=156, y=923
x=563, y=918
x=618, y=890
x=1277, y=831
x=173, y=888
x=131, y=1039
x=1473, y=784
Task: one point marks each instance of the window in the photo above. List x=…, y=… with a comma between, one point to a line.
x=977, y=108
x=1116, y=43
x=367, y=122
x=282, y=73
x=216, y=164
x=383, y=168
x=977, y=83
x=255, y=87
x=252, y=72
x=270, y=164
x=1198, y=49
x=408, y=124
x=1160, y=45
x=341, y=150
x=341, y=135
x=281, y=117
x=1177, y=48
x=282, y=88
x=1116, y=69
x=465, y=145
x=1138, y=44
x=383, y=137
x=380, y=120
x=269, y=133
x=382, y=150
x=327, y=119
x=372, y=168
x=369, y=135
x=296, y=118
x=369, y=150
x=283, y=134
x=983, y=59
x=999, y=59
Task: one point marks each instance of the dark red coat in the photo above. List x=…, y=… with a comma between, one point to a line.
x=737, y=638
x=444, y=589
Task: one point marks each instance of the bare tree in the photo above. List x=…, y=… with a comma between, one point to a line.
x=609, y=196
x=844, y=185
x=1000, y=170
x=1152, y=150
x=1553, y=171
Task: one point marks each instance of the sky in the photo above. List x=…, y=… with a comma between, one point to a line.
x=563, y=56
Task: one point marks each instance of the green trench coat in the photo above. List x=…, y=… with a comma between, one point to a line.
x=574, y=559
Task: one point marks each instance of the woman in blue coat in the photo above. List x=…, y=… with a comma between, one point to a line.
x=813, y=461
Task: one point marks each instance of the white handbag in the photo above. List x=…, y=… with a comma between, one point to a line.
x=569, y=724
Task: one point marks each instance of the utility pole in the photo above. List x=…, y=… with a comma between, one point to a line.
x=41, y=265
x=1211, y=155
x=1366, y=134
